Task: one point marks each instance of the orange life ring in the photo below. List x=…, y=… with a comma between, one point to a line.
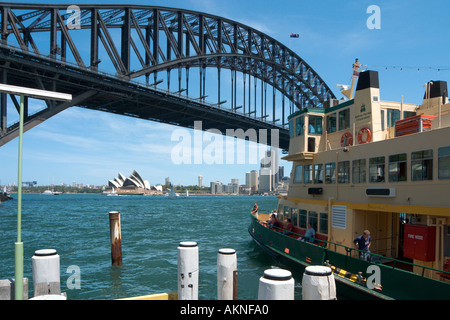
x=346, y=140
x=364, y=135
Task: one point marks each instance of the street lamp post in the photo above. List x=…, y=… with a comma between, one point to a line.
x=18, y=246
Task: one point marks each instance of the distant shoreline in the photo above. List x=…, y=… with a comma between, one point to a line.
x=160, y=195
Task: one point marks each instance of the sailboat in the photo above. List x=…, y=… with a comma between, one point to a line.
x=113, y=193
x=187, y=195
x=172, y=194
x=5, y=195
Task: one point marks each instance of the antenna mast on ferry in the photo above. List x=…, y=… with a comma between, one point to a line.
x=349, y=92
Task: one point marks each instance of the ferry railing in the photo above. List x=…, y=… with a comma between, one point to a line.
x=374, y=258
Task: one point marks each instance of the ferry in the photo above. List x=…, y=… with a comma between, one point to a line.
x=365, y=165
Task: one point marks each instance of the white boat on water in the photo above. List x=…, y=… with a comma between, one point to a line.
x=173, y=194
x=113, y=193
x=51, y=193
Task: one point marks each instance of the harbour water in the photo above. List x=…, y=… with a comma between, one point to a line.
x=77, y=226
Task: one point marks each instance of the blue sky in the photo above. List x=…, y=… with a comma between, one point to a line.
x=91, y=147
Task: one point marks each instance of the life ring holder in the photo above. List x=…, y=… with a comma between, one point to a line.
x=346, y=140
x=364, y=132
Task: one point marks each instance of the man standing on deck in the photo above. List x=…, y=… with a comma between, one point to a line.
x=363, y=243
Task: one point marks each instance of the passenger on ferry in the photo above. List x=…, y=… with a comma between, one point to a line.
x=255, y=208
x=310, y=234
x=289, y=226
x=273, y=221
x=363, y=243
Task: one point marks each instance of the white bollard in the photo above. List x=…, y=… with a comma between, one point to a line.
x=318, y=283
x=188, y=270
x=46, y=272
x=276, y=284
x=226, y=274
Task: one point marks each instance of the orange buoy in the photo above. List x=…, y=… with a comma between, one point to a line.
x=364, y=135
x=346, y=140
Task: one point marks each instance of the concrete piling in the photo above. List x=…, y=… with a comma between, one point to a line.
x=318, y=283
x=226, y=274
x=188, y=270
x=116, y=238
x=46, y=272
x=276, y=284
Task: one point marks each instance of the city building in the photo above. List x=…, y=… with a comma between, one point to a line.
x=253, y=181
x=269, y=171
x=200, y=181
x=216, y=187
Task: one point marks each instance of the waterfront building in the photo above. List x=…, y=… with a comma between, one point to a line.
x=200, y=181
x=216, y=187
x=268, y=173
x=253, y=181
x=134, y=184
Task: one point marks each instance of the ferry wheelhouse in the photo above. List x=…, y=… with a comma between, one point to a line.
x=367, y=164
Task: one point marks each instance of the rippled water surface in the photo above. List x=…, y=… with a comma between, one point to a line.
x=77, y=226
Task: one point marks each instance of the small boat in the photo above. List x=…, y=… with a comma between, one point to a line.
x=173, y=195
x=112, y=193
x=5, y=195
x=52, y=193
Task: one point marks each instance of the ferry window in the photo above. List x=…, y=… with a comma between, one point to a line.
x=315, y=124
x=294, y=217
x=307, y=174
x=359, y=171
x=444, y=163
x=291, y=129
x=312, y=219
x=298, y=174
x=318, y=173
x=376, y=169
x=331, y=123
x=422, y=165
x=330, y=169
x=392, y=116
x=397, y=167
x=344, y=119
x=285, y=213
x=407, y=114
x=299, y=123
x=344, y=172
x=302, y=218
x=323, y=223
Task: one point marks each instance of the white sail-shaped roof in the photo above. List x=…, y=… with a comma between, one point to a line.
x=112, y=183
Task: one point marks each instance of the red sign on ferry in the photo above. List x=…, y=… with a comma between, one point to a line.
x=419, y=242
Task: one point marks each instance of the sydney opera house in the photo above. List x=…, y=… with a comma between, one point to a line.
x=134, y=184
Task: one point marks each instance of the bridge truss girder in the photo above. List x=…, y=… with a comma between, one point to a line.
x=143, y=41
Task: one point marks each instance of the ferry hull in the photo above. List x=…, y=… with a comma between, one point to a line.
x=395, y=283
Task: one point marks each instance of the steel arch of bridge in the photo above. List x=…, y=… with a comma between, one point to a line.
x=154, y=40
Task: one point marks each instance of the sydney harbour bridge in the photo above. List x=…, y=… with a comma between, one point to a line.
x=174, y=66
